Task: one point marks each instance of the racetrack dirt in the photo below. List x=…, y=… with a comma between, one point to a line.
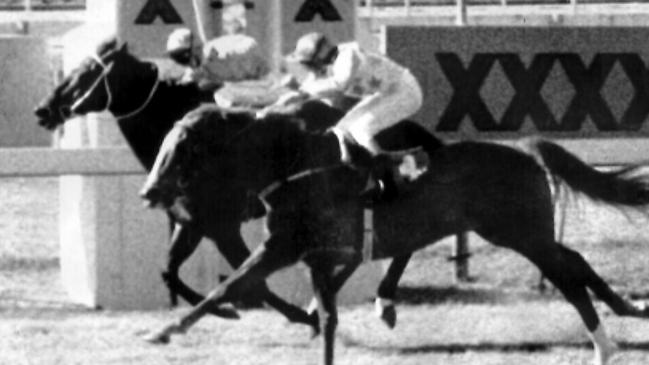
x=499, y=319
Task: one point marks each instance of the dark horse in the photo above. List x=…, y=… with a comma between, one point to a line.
x=146, y=108
x=315, y=215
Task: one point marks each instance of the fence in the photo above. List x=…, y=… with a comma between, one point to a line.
x=44, y=162
x=29, y=5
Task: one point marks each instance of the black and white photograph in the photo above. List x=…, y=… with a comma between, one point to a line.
x=320, y=182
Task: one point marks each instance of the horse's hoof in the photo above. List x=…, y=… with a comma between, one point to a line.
x=385, y=309
x=314, y=320
x=642, y=308
x=157, y=338
x=226, y=313
x=389, y=316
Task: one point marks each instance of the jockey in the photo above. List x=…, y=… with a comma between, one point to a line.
x=388, y=92
x=183, y=50
x=233, y=58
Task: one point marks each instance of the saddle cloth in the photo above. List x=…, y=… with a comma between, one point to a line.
x=254, y=94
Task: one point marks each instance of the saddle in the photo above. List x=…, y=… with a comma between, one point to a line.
x=392, y=174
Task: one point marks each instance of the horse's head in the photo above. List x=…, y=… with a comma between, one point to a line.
x=197, y=150
x=86, y=89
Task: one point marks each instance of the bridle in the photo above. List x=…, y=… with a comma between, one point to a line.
x=103, y=79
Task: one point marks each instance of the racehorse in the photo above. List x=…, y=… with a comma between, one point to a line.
x=315, y=215
x=146, y=108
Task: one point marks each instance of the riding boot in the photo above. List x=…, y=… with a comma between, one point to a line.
x=382, y=187
x=356, y=156
x=383, y=173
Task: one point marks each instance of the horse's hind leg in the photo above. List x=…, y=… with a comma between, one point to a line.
x=566, y=270
x=326, y=284
x=266, y=259
x=603, y=291
x=384, y=304
x=386, y=293
x=338, y=281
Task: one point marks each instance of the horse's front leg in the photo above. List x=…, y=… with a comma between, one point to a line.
x=227, y=236
x=339, y=280
x=324, y=287
x=184, y=241
x=387, y=292
x=266, y=259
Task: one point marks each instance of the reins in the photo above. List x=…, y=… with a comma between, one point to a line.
x=146, y=103
x=103, y=77
x=313, y=171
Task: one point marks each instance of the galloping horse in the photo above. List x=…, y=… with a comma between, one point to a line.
x=315, y=215
x=146, y=108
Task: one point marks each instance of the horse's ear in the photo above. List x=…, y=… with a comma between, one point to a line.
x=107, y=45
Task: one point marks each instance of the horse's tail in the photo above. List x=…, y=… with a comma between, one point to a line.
x=626, y=186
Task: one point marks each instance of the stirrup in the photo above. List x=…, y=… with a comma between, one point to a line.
x=373, y=191
x=380, y=190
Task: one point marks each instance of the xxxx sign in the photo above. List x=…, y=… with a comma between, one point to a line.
x=504, y=82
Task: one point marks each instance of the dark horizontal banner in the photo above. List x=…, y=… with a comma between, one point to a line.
x=507, y=82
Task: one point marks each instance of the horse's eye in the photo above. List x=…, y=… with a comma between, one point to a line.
x=182, y=183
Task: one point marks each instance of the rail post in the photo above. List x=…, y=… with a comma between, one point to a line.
x=461, y=256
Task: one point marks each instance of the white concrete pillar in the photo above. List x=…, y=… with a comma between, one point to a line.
x=113, y=249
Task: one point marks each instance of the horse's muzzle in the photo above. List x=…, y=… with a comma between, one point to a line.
x=47, y=118
x=154, y=198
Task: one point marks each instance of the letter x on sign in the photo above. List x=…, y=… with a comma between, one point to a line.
x=166, y=11
x=311, y=8
x=158, y=8
x=587, y=80
x=216, y=4
x=307, y=12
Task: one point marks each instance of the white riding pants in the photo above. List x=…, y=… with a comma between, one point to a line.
x=379, y=111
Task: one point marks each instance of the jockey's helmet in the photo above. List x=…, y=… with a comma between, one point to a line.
x=312, y=49
x=234, y=19
x=180, y=44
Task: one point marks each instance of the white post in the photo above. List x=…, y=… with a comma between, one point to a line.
x=461, y=17
x=206, y=23
x=408, y=4
x=462, y=239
